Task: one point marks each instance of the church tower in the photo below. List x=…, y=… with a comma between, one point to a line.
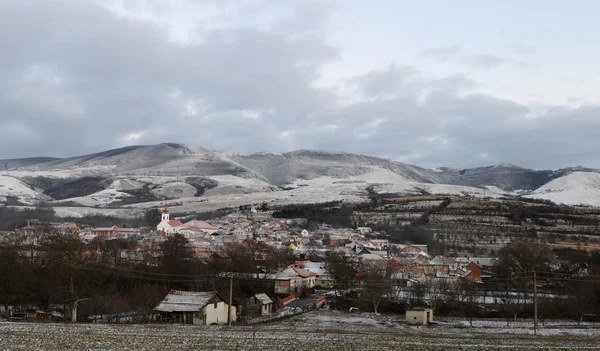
x=165, y=214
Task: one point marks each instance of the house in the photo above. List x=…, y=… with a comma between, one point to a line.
x=266, y=304
x=322, y=279
x=380, y=244
x=413, y=250
x=449, y=264
x=364, y=230
x=195, y=307
x=201, y=225
x=473, y=272
x=373, y=260
x=167, y=225
x=292, y=280
x=419, y=316
x=239, y=231
x=65, y=228
x=337, y=240
x=111, y=232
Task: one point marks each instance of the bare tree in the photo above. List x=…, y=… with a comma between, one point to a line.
x=512, y=300
x=67, y=262
x=521, y=258
x=341, y=271
x=375, y=285
x=467, y=294
x=11, y=276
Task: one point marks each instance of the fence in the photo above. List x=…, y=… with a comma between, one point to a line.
x=286, y=300
x=320, y=301
x=289, y=311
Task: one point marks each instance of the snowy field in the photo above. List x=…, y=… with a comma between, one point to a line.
x=319, y=330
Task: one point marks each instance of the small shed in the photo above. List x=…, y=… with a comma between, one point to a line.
x=421, y=316
x=266, y=304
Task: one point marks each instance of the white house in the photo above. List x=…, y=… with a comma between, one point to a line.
x=195, y=307
x=167, y=225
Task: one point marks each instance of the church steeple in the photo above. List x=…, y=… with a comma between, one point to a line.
x=165, y=213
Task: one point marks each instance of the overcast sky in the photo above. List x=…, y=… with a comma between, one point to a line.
x=432, y=83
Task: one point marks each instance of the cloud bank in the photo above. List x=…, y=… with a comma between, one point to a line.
x=81, y=77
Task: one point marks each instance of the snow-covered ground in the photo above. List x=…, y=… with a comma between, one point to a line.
x=229, y=184
x=11, y=186
x=318, y=330
x=78, y=212
x=99, y=198
x=233, y=191
x=575, y=188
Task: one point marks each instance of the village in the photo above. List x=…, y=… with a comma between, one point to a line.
x=285, y=263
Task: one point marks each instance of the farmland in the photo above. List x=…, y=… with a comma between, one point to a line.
x=320, y=330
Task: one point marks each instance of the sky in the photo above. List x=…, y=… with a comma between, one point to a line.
x=432, y=83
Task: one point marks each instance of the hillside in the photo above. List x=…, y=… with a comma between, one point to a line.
x=201, y=179
x=575, y=188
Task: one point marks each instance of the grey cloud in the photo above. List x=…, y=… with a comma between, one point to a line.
x=121, y=71
x=442, y=53
x=77, y=79
x=523, y=49
x=527, y=65
x=386, y=81
x=484, y=61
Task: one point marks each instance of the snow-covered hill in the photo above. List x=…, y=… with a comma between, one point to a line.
x=143, y=176
x=576, y=188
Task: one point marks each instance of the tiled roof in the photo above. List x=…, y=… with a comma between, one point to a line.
x=200, y=224
x=185, y=301
x=175, y=223
x=303, y=272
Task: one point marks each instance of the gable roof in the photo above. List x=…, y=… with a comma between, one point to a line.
x=303, y=272
x=443, y=260
x=411, y=248
x=175, y=223
x=186, y=301
x=263, y=298
x=200, y=224
x=372, y=257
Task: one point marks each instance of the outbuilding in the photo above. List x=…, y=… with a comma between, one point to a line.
x=195, y=307
x=266, y=304
x=420, y=316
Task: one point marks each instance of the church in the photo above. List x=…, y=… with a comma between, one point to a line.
x=167, y=225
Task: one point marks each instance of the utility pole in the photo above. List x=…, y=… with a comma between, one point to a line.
x=535, y=316
x=230, y=298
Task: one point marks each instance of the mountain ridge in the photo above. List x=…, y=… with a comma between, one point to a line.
x=176, y=171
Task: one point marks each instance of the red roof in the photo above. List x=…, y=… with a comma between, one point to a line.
x=200, y=224
x=174, y=223
x=394, y=262
x=303, y=273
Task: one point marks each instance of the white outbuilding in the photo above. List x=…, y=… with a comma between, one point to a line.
x=419, y=316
